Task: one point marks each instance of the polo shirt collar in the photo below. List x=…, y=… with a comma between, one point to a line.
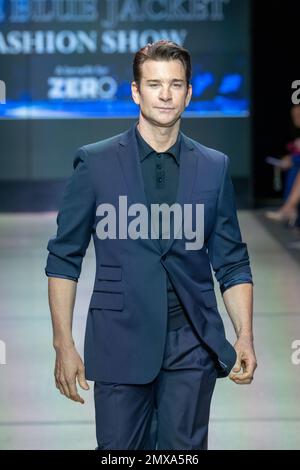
x=145, y=149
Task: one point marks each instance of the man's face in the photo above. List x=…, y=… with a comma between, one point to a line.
x=163, y=93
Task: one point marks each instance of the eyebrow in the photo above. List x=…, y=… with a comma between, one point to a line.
x=173, y=80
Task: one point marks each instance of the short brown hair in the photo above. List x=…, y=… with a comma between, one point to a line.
x=161, y=50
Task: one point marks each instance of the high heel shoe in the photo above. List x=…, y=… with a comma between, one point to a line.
x=284, y=216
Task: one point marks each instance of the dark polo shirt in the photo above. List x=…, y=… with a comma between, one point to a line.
x=161, y=173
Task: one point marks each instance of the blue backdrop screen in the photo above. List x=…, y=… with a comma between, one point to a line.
x=73, y=59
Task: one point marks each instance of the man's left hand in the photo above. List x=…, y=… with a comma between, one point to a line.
x=243, y=370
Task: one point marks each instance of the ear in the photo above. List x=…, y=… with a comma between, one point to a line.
x=188, y=95
x=135, y=92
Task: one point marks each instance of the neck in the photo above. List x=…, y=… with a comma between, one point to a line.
x=159, y=138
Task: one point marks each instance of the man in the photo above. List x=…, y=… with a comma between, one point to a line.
x=154, y=341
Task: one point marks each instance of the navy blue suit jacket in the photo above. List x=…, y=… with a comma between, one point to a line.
x=127, y=314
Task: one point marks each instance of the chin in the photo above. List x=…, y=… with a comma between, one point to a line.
x=166, y=120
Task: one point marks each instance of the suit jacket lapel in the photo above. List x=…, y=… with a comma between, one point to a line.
x=131, y=167
x=129, y=160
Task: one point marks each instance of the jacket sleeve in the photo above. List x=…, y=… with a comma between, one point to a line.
x=227, y=252
x=74, y=223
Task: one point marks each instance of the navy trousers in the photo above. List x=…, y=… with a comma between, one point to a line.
x=171, y=412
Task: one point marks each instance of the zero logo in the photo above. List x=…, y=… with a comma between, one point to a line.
x=82, y=88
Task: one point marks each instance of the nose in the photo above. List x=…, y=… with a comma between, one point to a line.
x=165, y=94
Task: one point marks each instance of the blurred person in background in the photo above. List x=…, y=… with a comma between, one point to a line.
x=290, y=163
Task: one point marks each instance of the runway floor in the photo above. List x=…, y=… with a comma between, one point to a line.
x=33, y=414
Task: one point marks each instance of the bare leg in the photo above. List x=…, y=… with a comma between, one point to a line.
x=289, y=211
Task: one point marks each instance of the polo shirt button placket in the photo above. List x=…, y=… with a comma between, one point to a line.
x=160, y=176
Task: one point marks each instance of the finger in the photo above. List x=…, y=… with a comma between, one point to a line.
x=57, y=384
x=73, y=392
x=237, y=365
x=56, y=376
x=60, y=380
x=60, y=388
x=81, y=379
x=247, y=372
x=243, y=382
x=63, y=384
x=248, y=367
x=243, y=376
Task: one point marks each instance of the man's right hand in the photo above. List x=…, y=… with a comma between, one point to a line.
x=68, y=368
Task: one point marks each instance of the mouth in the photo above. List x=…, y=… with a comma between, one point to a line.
x=165, y=109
